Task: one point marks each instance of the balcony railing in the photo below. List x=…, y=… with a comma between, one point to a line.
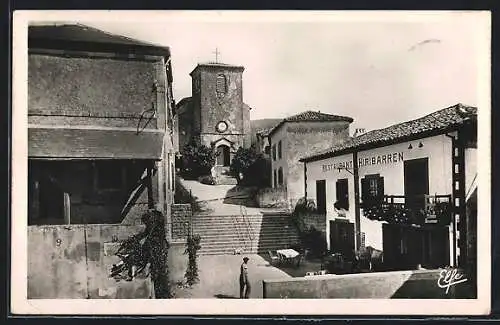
x=412, y=210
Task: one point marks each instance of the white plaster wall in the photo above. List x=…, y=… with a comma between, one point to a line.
x=316, y=172
x=280, y=134
x=470, y=170
x=437, y=149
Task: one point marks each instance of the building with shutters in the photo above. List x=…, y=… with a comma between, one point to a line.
x=408, y=189
x=296, y=136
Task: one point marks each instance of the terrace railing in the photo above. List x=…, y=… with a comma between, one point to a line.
x=413, y=210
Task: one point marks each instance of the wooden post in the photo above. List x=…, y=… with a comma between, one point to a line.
x=357, y=213
x=151, y=203
x=67, y=209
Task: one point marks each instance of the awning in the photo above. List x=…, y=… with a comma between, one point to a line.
x=83, y=143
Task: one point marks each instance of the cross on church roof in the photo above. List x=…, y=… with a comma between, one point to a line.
x=216, y=55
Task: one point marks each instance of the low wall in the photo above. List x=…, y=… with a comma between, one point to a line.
x=181, y=218
x=177, y=261
x=383, y=285
x=272, y=198
x=317, y=221
x=75, y=261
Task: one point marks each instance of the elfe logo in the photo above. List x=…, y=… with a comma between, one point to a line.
x=449, y=278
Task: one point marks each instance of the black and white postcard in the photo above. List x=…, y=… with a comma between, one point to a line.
x=251, y=162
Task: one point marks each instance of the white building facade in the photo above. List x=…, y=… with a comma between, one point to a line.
x=412, y=183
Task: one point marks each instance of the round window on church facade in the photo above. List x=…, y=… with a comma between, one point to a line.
x=221, y=127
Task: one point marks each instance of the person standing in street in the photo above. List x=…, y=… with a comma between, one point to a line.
x=244, y=281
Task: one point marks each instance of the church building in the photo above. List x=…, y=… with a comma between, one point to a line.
x=215, y=114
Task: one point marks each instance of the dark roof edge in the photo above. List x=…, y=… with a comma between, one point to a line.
x=94, y=46
x=378, y=144
x=216, y=66
x=284, y=120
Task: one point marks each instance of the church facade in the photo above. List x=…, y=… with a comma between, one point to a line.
x=215, y=114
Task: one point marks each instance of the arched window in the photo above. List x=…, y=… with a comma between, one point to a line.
x=280, y=176
x=221, y=86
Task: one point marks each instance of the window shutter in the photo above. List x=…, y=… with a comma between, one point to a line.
x=338, y=188
x=380, y=189
x=346, y=194
x=364, y=190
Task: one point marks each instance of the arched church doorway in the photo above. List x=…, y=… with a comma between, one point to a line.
x=223, y=155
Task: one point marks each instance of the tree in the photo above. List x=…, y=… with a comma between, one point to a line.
x=197, y=160
x=252, y=165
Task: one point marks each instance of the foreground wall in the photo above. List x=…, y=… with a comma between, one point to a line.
x=75, y=261
x=385, y=285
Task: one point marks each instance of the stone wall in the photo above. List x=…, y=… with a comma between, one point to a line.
x=317, y=221
x=272, y=198
x=83, y=87
x=181, y=218
x=75, y=262
x=177, y=262
x=384, y=285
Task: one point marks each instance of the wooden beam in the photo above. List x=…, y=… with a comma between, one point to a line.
x=357, y=212
x=67, y=209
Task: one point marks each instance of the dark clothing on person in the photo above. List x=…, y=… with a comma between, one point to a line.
x=245, y=287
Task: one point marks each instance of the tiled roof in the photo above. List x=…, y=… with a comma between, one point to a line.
x=312, y=116
x=440, y=121
x=73, y=143
x=316, y=116
x=81, y=36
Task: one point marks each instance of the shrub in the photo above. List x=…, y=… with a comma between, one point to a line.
x=207, y=179
x=314, y=240
x=311, y=238
x=192, y=247
x=149, y=247
x=197, y=160
x=302, y=208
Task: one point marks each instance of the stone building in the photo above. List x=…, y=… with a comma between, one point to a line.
x=215, y=115
x=408, y=189
x=296, y=136
x=100, y=154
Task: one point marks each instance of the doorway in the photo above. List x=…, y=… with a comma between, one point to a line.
x=416, y=182
x=223, y=155
x=321, y=196
x=342, y=237
x=406, y=246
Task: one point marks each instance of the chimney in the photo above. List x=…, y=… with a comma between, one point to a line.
x=358, y=132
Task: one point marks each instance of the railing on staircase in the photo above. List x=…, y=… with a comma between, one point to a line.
x=248, y=225
x=238, y=232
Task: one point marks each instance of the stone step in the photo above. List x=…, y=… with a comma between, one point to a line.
x=234, y=226
x=230, y=235
x=232, y=222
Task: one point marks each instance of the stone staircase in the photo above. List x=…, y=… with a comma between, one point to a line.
x=252, y=234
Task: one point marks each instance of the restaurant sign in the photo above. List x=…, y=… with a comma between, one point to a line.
x=389, y=158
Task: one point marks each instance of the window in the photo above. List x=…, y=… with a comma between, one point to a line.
x=280, y=176
x=274, y=152
x=109, y=175
x=342, y=194
x=221, y=84
x=279, y=150
x=372, y=189
x=275, y=179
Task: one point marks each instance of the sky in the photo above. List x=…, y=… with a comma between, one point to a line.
x=377, y=71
